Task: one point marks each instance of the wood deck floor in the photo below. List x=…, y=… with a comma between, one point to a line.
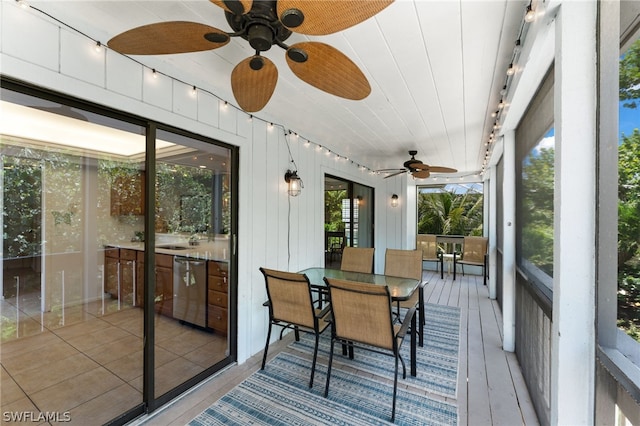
x=491, y=389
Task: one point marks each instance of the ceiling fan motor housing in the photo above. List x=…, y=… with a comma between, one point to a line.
x=260, y=26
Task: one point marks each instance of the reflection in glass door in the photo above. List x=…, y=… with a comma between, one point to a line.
x=348, y=217
x=72, y=337
x=192, y=254
x=79, y=299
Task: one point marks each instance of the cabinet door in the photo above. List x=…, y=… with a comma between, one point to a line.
x=127, y=275
x=111, y=276
x=127, y=193
x=164, y=291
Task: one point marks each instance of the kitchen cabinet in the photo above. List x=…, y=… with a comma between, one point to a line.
x=111, y=270
x=164, y=283
x=218, y=296
x=120, y=274
x=127, y=193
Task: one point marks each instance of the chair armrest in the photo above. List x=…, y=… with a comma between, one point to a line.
x=406, y=322
x=267, y=303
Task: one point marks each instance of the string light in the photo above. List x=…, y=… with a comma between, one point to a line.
x=98, y=47
x=517, y=50
x=530, y=16
x=511, y=70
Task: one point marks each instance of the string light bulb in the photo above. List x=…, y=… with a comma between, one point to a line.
x=511, y=70
x=154, y=73
x=23, y=4
x=530, y=16
x=518, y=47
x=98, y=46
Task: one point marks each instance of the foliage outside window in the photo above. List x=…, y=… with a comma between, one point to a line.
x=629, y=194
x=450, y=209
x=333, y=210
x=537, y=205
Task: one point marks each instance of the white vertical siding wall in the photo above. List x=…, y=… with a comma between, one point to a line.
x=274, y=230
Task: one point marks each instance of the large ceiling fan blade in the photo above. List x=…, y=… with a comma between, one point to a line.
x=395, y=174
x=328, y=16
x=438, y=169
x=390, y=170
x=418, y=165
x=168, y=37
x=421, y=174
x=237, y=7
x=328, y=69
x=253, y=82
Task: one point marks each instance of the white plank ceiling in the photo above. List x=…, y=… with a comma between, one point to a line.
x=436, y=69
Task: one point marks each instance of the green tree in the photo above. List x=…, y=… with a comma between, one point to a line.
x=537, y=209
x=629, y=234
x=630, y=76
x=449, y=213
x=628, y=201
x=333, y=209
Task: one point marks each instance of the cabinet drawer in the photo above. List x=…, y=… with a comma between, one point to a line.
x=218, y=268
x=218, y=283
x=217, y=318
x=165, y=260
x=218, y=298
x=128, y=254
x=112, y=252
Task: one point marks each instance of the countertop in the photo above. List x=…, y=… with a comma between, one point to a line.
x=206, y=250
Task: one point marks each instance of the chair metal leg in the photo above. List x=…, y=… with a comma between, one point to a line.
x=404, y=367
x=315, y=357
x=266, y=347
x=395, y=389
x=455, y=266
x=326, y=387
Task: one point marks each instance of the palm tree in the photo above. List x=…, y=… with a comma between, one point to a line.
x=448, y=213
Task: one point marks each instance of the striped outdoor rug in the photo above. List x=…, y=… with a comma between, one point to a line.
x=280, y=395
x=437, y=360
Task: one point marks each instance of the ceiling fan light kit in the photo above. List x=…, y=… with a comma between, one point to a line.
x=264, y=23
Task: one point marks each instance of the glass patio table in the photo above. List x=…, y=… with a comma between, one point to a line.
x=400, y=289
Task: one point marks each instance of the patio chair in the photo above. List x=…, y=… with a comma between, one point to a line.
x=362, y=315
x=407, y=264
x=357, y=259
x=430, y=251
x=291, y=306
x=474, y=252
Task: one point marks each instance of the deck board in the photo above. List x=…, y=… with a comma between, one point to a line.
x=491, y=388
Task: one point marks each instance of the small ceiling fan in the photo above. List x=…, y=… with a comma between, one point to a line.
x=417, y=168
x=264, y=23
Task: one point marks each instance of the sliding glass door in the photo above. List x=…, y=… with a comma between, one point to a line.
x=86, y=209
x=348, y=218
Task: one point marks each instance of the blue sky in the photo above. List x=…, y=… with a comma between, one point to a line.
x=629, y=120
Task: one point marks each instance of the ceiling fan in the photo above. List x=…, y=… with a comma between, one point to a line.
x=264, y=23
x=417, y=168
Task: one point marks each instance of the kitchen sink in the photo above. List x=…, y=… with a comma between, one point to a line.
x=172, y=247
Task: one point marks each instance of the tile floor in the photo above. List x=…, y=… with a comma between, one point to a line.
x=89, y=364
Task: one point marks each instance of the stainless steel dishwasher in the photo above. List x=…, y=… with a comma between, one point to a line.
x=190, y=290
